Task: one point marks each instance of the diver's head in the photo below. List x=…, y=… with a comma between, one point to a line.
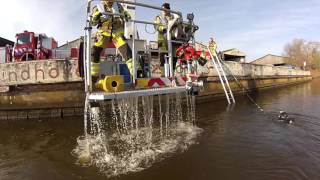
x=283, y=115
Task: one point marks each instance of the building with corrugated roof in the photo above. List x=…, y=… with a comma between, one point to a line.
x=72, y=44
x=233, y=54
x=273, y=60
x=4, y=42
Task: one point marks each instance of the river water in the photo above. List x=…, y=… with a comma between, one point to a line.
x=237, y=142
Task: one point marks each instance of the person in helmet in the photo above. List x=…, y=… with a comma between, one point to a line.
x=284, y=117
x=110, y=29
x=213, y=46
x=162, y=22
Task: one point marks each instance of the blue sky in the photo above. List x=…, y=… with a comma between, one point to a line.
x=254, y=26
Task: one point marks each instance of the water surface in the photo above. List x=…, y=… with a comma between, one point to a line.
x=236, y=143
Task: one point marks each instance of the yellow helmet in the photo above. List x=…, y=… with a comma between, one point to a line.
x=108, y=1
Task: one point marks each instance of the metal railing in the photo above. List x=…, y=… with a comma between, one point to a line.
x=88, y=31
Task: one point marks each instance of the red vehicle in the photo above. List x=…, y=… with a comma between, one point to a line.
x=31, y=46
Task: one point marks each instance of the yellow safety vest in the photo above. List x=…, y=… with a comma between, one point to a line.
x=109, y=23
x=162, y=28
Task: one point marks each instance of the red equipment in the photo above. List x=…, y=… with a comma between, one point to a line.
x=187, y=53
x=31, y=46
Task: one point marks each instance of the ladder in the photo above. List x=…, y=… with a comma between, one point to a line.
x=222, y=75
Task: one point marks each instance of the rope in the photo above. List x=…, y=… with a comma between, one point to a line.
x=246, y=90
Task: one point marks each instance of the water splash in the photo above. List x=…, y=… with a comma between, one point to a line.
x=139, y=133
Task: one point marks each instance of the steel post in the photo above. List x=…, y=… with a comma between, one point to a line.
x=171, y=73
x=88, y=29
x=134, y=73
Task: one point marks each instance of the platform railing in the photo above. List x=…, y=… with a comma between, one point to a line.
x=87, y=53
x=169, y=71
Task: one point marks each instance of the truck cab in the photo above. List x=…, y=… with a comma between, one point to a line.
x=25, y=46
x=31, y=46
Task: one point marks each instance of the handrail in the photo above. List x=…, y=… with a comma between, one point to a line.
x=134, y=21
x=144, y=22
x=170, y=54
x=178, y=42
x=147, y=6
x=131, y=20
x=144, y=5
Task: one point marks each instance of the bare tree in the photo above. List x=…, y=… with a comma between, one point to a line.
x=300, y=51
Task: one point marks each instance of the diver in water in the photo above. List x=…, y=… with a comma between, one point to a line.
x=284, y=117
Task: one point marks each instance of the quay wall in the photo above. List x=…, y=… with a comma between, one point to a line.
x=251, y=77
x=64, y=71
x=50, y=84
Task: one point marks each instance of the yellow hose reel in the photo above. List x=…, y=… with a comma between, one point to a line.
x=111, y=84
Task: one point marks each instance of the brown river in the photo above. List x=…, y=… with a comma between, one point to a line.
x=237, y=142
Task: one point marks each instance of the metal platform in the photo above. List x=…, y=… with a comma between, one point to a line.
x=102, y=96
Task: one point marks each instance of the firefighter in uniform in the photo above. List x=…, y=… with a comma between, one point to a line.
x=213, y=47
x=162, y=29
x=110, y=29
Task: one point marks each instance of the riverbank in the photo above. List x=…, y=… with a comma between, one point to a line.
x=71, y=102
x=315, y=74
x=236, y=143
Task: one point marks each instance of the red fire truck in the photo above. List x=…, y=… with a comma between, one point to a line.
x=31, y=46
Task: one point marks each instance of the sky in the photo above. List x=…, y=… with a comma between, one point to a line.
x=256, y=27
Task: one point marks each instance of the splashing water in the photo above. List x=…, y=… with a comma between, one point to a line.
x=141, y=132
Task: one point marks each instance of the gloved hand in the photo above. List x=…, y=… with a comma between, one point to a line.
x=104, y=17
x=126, y=16
x=164, y=31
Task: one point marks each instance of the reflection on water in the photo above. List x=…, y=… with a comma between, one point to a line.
x=236, y=143
x=42, y=99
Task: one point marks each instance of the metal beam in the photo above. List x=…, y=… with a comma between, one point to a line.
x=136, y=93
x=143, y=5
x=147, y=6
